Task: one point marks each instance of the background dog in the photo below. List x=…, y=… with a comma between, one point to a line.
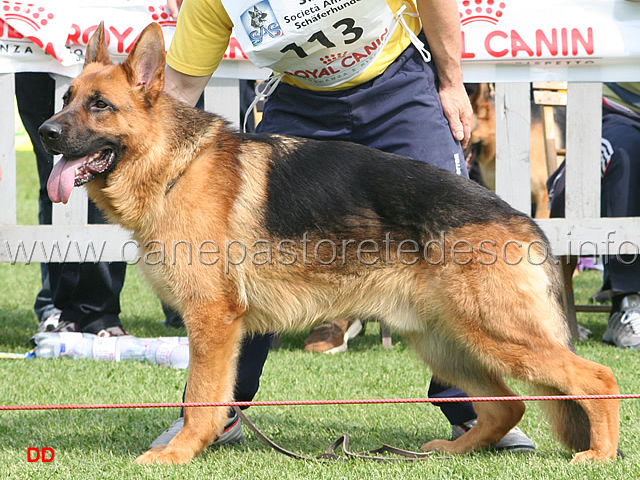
x=481, y=152
x=290, y=231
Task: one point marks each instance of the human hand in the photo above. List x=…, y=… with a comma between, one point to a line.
x=174, y=7
x=457, y=108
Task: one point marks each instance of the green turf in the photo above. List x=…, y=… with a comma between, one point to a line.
x=103, y=443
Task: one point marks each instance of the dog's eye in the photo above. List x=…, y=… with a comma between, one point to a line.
x=65, y=99
x=101, y=104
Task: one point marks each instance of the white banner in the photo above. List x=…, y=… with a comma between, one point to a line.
x=547, y=40
x=503, y=40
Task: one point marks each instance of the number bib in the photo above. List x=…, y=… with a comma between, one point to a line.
x=322, y=43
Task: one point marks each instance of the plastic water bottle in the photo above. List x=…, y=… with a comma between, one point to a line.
x=85, y=345
x=175, y=355
x=67, y=344
x=167, y=351
x=174, y=340
x=119, y=348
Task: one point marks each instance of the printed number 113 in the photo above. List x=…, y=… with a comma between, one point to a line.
x=351, y=31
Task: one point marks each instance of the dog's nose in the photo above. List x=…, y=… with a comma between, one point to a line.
x=50, y=132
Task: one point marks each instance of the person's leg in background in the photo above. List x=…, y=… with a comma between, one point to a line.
x=35, y=99
x=87, y=295
x=621, y=198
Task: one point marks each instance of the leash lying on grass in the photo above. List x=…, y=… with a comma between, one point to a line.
x=343, y=441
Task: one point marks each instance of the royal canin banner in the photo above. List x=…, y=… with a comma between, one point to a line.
x=597, y=40
x=513, y=40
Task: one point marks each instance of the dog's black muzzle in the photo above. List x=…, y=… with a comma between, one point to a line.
x=50, y=135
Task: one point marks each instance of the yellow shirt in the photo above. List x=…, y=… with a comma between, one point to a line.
x=204, y=29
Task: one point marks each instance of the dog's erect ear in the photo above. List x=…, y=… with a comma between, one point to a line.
x=481, y=100
x=97, y=48
x=145, y=65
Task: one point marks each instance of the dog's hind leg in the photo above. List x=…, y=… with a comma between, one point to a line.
x=587, y=426
x=215, y=332
x=495, y=419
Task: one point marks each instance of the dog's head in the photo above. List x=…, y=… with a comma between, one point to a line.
x=482, y=146
x=105, y=108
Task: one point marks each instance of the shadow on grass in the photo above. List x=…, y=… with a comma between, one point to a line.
x=16, y=328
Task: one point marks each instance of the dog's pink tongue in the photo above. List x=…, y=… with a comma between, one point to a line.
x=62, y=179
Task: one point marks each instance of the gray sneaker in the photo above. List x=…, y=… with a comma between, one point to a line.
x=623, y=329
x=232, y=432
x=514, y=441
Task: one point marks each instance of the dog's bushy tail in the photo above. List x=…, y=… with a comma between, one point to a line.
x=568, y=420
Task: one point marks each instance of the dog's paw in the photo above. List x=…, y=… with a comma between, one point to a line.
x=439, y=446
x=163, y=456
x=591, y=456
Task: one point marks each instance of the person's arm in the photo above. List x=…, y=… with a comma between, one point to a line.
x=174, y=7
x=199, y=42
x=185, y=88
x=441, y=24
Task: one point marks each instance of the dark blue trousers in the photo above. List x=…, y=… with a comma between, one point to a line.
x=398, y=112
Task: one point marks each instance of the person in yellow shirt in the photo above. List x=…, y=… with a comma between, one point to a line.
x=383, y=73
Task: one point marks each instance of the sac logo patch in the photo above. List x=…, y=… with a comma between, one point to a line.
x=260, y=23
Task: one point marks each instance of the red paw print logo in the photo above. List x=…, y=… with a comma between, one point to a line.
x=162, y=17
x=481, y=11
x=35, y=17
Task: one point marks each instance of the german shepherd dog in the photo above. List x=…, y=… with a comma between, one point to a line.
x=468, y=280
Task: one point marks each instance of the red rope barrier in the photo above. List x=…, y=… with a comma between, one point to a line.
x=530, y=398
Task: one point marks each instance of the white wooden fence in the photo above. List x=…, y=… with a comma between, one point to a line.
x=582, y=232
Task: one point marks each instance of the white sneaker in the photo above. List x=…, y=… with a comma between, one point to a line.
x=514, y=441
x=623, y=329
x=232, y=432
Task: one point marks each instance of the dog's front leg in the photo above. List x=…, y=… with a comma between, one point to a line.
x=214, y=336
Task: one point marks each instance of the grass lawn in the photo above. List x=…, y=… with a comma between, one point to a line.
x=92, y=444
